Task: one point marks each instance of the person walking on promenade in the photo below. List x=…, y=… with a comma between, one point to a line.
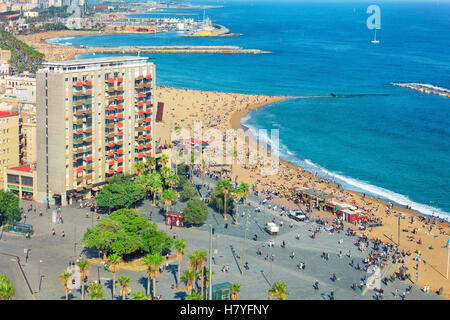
x=53, y=232
x=63, y=234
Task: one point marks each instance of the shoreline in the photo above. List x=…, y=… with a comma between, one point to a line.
x=235, y=123
x=60, y=52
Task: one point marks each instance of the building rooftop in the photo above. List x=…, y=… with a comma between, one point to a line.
x=78, y=62
x=26, y=168
x=93, y=63
x=4, y=114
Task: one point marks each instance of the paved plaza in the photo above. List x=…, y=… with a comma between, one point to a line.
x=49, y=255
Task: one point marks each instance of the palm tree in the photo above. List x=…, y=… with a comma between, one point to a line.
x=225, y=186
x=203, y=176
x=64, y=277
x=139, y=295
x=152, y=261
x=113, y=263
x=124, y=282
x=83, y=267
x=155, y=185
x=278, y=291
x=164, y=159
x=95, y=290
x=172, y=180
x=165, y=172
x=139, y=167
x=169, y=196
x=189, y=276
x=237, y=195
x=195, y=296
x=7, y=291
x=150, y=163
x=196, y=260
x=180, y=246
x=235, y=288
x=206, y=280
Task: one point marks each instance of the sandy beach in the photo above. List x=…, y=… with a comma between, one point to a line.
x=224, y=110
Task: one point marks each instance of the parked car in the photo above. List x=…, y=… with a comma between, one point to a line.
x=297, y=215
x=272, y=228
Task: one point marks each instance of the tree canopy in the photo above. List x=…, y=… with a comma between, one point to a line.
x=126, y=232
x=121, y=192
x=195, y=212
x=9, y=207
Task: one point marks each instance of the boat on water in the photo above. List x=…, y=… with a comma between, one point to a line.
x=375, y=38
x=332, y=95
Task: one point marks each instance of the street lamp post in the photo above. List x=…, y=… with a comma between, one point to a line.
x=210, y=262
x=39, y=274
x=245, y=237
x=98, y=268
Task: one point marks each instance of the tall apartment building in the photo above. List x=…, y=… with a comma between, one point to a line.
x=94, y=119
x=9, y=141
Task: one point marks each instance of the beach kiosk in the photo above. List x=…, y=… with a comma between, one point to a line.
x=174, y=219
x=221, y=291
x=313, y=197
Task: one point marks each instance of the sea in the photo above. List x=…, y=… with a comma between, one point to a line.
x=347, y=121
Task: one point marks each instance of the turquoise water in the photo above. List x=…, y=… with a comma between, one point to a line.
x=374, y=137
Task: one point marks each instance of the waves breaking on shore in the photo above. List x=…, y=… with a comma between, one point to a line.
x=345, y=182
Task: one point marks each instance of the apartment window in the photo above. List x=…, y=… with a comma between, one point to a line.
x=13, y=178
x=67, y=79
x=27, y=181
x=74, y=79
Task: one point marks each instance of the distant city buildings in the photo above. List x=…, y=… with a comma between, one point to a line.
x=95, y=118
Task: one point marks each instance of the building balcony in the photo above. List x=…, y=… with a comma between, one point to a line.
x=120, y=169
x=89, y=158
x=80, y=169
x=140, y=95
x=111, y=154
x=120, y=160
x=120, y=151
x=148, y=111
x=119, y=80
x=78, y=94
x=148, y=102
x=140, y=129
x=139, y=86
x=89, y=167
x=110, y=81
x=119, y=89
x=139, y=78
x=120, y=124
x=120, y=107
x=148, y=85
x=120, y=116
x=120, y=134
x=88, y=84
x=110, y=99
x=148, y=77
x=148, y=154
x=110, y=90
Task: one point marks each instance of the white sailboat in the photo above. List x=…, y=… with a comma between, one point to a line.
x=375, y=38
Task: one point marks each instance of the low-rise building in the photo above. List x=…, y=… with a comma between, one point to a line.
x=21, y=181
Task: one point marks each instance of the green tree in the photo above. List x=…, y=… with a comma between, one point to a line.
x=225, y=187
x=235, y=288
x=120, y=195
x=113, y=262
x=188, y=190
x=189, y=276
x=139, y=295
x=195, y=296
x=64, y=277
x=237, y=195
x=7, y=291
x=83, y=267
x=95, y=291
x=196, y=261
x=217, y=199
x=278, y=291
x=172, y=180
x=206, y=280
x=139, y=167
x=152, y=261
x=124, y=283
x=9, y=207
x=163, y=159
x=155, y=185
x=150, y=163
x=180, y=246
x=169, y=196
x=195, y=212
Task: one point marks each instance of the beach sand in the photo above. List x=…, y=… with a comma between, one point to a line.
x=224, y=110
